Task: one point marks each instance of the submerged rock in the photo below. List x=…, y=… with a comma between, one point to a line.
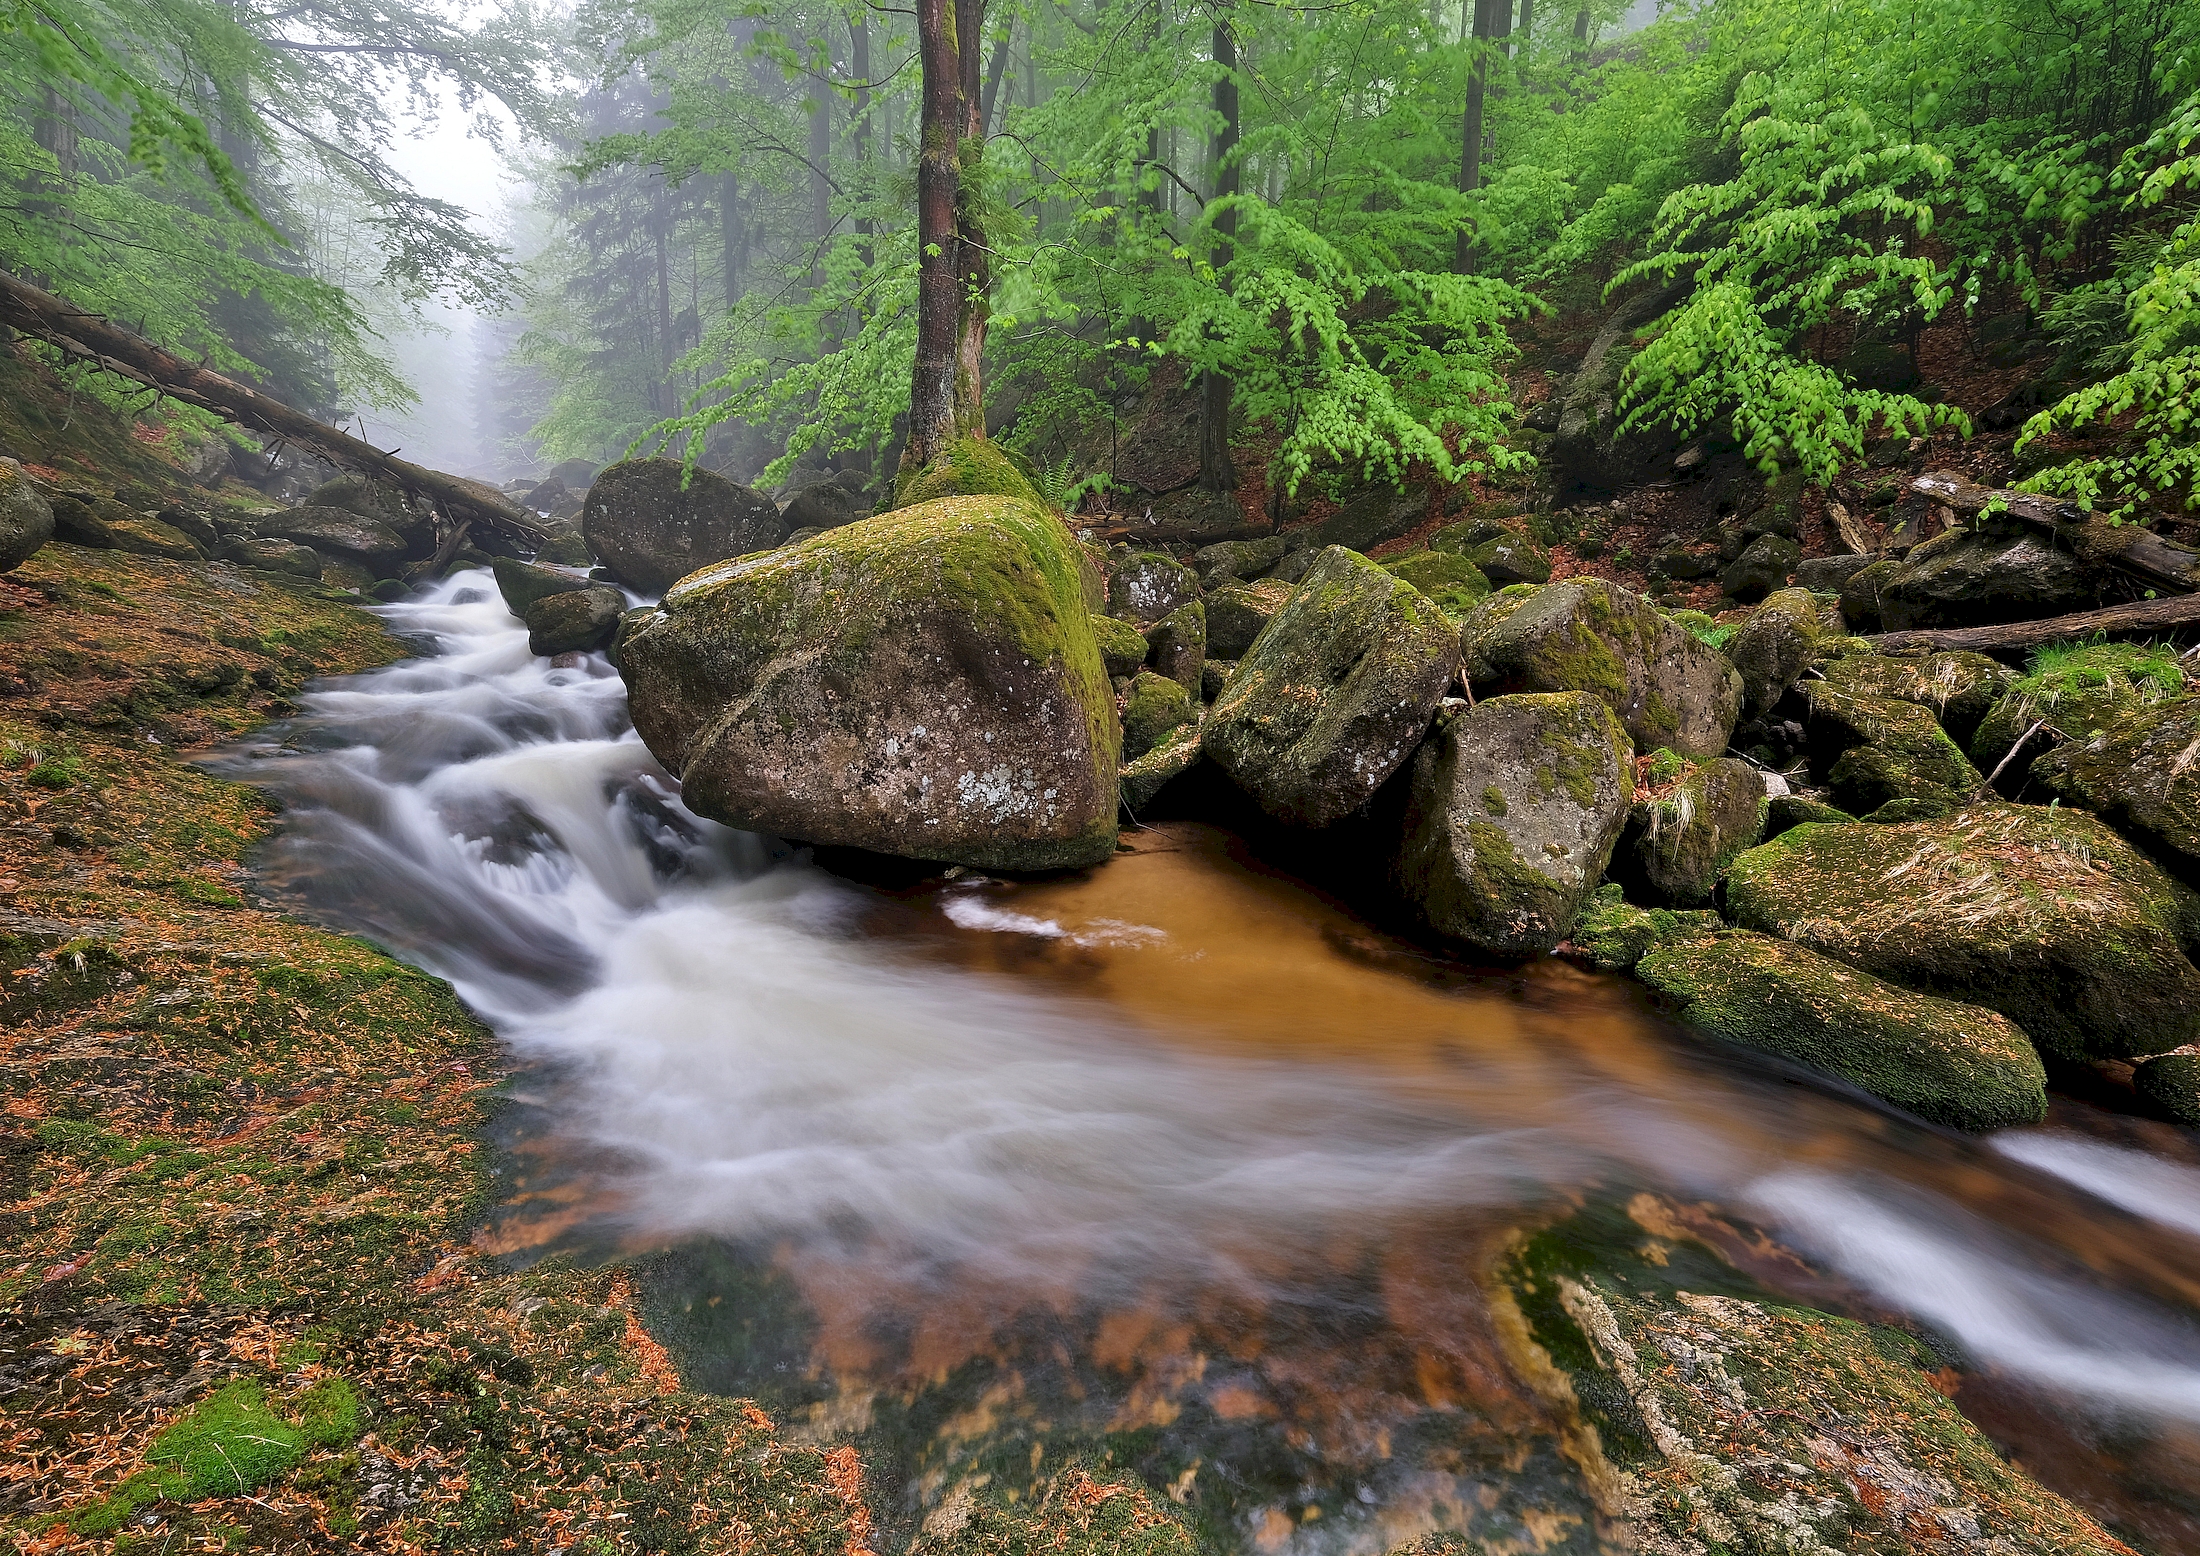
x=1678, y=845
x=1335, y=694
x=652, y=528
x=923, y=683
x=26, y=518
x=1584, y=634
x=2045, y=915
x=1876, y=749
x=1773, y=648
x=1516, y=804
x=1951, y=1063
x=573, y=622
x=1727, y=1425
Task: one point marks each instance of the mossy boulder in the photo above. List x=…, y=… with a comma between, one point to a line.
x=2075, y=692
x=967, y=467
x=141, y=534
x=1503, y=556
x=652, y=522
x=1122, y=646
x=1762, y=569
x=1954, y=1064
x=1967, y=578
x=1177, y=645
x=1723, y=1422
x=275, y=556
x=523, y=583
x=1515, y=806
x=1149, y=586
x=574, y=621
x=2043, y=914
x=1615, y=934
x=2172, y=1083
x=1446, y=577
x=1876, y=749
x=1678, y=843
x=1172, y=756
x=923, y=683
x=1959, y=687
x=1587, y=635
x=336, y=532
x=1153, y=706
x=1783, y=811
x=382, y=501
x=1237, y=612
x=26, y=518
x=2142, y=774
x=1335, y=693
x=1772, y=649
x=1227, y=561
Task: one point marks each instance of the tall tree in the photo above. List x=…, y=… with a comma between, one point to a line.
x=1217, y=471
x=1470, y=135
x=945, y=385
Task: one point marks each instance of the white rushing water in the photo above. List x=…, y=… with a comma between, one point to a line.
x=762, y=1068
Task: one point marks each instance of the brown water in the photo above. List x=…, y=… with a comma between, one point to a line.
x=1180, y=1162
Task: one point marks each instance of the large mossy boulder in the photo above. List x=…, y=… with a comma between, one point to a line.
x=1236, y=613
x=1773, y=648
x=286, y=557
x=1587, y=635
x=1877, y=749
x=923, y=683
x=1720, y=1424
x=653, y=522
x=967, y=467
x=1967, y=578
x=1154, y=706
x=1679, y=841
x=2043, y=914
x=2076, y=692
x=382, y=501
x=1952, y=1063
x=336, y=532
x=140, y=534
x=1514, y=809
x=26, y=518
x=2142, y=774
x=1959, y=687
x=1335, y=693
x=1503, y=556
x=1446, y=577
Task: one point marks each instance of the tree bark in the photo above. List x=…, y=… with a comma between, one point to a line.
x=821, y=191
x=1217, y=471
x=1527, y=26
x=1470, y=129
x=2141, y=618
x=1581, y=31
x=2138, y=553
x=89, y=338
x=732, y=238
x=859, y=58
x=939, y=250
x=993, y=73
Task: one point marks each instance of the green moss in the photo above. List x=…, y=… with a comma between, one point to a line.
x=1613, y=933
x=1154, y=706
x=968, y=467
x=1452, y=582
x=228, y=1445
x=1493, y=800
x=1122, y=646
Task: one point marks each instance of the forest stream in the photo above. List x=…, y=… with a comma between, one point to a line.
x=1176, y=1162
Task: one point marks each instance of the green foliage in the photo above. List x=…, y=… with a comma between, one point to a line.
x=2153, y=670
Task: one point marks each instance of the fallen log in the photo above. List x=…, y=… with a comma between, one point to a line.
x=2141, y=618
x=89, y=338
x=2129, y=548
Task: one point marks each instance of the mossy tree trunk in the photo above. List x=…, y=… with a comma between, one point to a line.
x=947, y=392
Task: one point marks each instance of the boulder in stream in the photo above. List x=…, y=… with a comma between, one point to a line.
x=573, y=621
x=652, y=528
x=523, y=583
x=1515, y=806
x=1336, y=692
x=2043, y=914
x=923, y=683
x=1678, y=843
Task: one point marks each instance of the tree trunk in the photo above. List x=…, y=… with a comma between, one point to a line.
x=1581, y=31
x=661, y=231
x=55, y=130
x=2136, y=552
x=859, y=52
x=933, y=383
x=732, y=236
x=2142, y=618
x=1527, y=26
x=1217, y=472
x=974, y=303
x=1470, y=130
x=993, y=74
x=821, y=189
x=86, y=337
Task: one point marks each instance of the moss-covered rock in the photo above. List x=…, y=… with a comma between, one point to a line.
x=1446, y=577
x=143, y=535
x=1724, y=1422
x=1336, y=692
x=1177, y=645
x=1227, y=561
x=2075, y=692
x=2045, y=915
x=1588, y=635
x=523, y=583
x=1966, y=578
x=1615, y=934
x=1153, y=707
x=2172, y=1083
x=275, y=556
x=1955, y=1064
x=574, y=621
x=1237, y=612
x=1960, y=687
x=1762, y=569
x=922, y=683
x=1503, y=556
x=652, y=523
x=967, y=467
x=336, y=532
x=1679, y=842
x=1171, y=757
x=1150, y=586
x=1772, y=649
x=1515, y=806
x=26, y=518
x=1783, y=811
x=1876, y=749
x=2142, y=774
x=1122, y=646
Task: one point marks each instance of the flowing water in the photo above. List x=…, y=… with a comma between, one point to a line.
x=1179, y=1161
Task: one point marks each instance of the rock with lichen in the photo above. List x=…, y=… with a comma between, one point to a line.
x=574, y=621
x=1588, y=635
x=1680, y=839
x=652, y=521
x=1446, y=577
x=1237, y=612
x=1956, y=1064
x=923, y=683
x=1773, y=647
x=1876, y=749
x=26, y=518
x=2044, y=914
x=1149, y=586
x=1514, y=809
x=1335, y=693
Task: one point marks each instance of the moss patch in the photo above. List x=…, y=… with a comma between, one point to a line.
x=968, y=467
